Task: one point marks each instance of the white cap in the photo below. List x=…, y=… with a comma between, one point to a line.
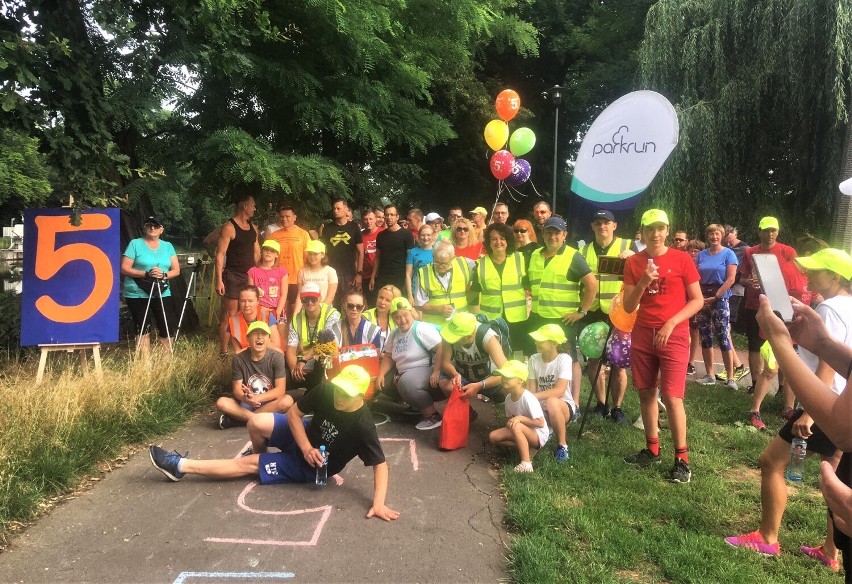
x=432, y=217
x=310, y=289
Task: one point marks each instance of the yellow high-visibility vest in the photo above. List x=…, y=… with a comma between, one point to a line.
x=608, y=284
x=455, y=293
x=503, y=293
x=552, y=293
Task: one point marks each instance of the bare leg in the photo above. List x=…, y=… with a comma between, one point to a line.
x=600, y=386
x=728, y=360
x=619, y=386
x=755, y=363
x=694, y=345
x=576, y=380
x=828, y=547
x=650, y=412
x=558, y=412
x=773, y=490
x=761, y=387
x=677, y=419
x=707, y=355
x=737, y=362
x=227, y=310
x=229, y=468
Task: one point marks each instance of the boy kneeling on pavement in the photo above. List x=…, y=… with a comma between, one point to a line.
x=342, y=422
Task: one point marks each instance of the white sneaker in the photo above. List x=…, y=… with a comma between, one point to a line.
x=524, y=467
x=731, y=384
x=706, y=380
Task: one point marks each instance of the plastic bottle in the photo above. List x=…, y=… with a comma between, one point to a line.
x=654, y=286
x=798, y=450
x=322, y=471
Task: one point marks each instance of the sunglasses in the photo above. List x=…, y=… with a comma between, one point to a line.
x=353, y=306
x=462, y=229
x=520, y=230
x=679, y=239
x=152, y=226
x=455, y=215
x=309, y=300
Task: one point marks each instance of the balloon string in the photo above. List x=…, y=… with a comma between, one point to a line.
x=535, y=190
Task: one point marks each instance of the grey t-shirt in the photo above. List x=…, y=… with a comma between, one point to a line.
x=259, y=375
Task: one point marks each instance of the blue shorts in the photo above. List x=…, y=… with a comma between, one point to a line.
x=289, y=465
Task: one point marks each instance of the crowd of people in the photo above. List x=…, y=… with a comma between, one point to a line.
x=494, y=309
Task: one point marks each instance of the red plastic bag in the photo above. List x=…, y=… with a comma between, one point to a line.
x=456, y=422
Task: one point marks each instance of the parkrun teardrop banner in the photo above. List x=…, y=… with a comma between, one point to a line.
x=70, y=291
x=624, y=149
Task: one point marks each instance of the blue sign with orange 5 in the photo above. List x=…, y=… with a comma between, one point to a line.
x=71, y=274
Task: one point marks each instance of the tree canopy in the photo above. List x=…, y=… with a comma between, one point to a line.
x=762, y=91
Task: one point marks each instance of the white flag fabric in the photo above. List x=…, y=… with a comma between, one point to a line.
x=625, y=148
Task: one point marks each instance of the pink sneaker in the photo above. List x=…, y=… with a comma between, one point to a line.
x=817, y=554
x=754, y=541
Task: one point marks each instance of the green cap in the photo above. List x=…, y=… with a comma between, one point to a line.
x=768, y=223
x=514, y=370
x=461, y=325
x=652, y=216
x=833, y=260
x=353, y=380
x=549, y=332
x=258, y=325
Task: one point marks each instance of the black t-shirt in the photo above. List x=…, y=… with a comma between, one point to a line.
x=340, y=242
x=393, y=247
x=345, y=434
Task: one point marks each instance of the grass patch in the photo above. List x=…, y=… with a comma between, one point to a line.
x=56, y=433
x=597, y=519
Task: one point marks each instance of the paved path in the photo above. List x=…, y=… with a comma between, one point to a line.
x=135, y=526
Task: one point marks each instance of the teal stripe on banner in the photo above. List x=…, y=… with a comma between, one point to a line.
x=588, y=193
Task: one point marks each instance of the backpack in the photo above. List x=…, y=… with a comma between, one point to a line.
x=500, y=327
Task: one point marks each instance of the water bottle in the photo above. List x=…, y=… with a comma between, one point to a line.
x=798, y=450
x=322, y=471
x=654, y=286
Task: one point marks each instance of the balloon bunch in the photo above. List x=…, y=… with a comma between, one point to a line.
x=506, y=165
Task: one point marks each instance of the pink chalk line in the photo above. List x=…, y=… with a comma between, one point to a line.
x=412, y=448
x=241, y=502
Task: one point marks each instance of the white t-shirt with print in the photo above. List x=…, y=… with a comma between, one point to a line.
x=837, y=314
x=322, y=278
x=406, y=352
x=547, y=374
x=530, y=407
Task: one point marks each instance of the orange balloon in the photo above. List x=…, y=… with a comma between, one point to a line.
x=508, y=104
x=622, y=320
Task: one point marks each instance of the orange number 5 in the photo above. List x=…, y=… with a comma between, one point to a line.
x=50, y=259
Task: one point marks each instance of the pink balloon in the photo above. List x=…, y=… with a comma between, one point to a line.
x=501, y=164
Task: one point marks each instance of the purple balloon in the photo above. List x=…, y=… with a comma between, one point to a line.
x=618, y=349
x=521, y=170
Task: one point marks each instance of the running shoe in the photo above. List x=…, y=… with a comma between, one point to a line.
x=429, y=422
x=618, y=417
x=166, y=462
x=754, y=541
x=690, y=369
x=722, y=376
x=524, y=467
x=561, y=454
x=817, y=554
x=731, y=384
x=680, y=472
x=226, y=421
x=643, y=458
x=740, y=372
x=706, y=380
x=756, y=420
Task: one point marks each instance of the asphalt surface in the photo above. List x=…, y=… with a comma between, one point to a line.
x=136, y=526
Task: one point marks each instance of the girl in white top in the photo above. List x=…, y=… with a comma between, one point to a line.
x=550, y=382
x=414, y=350
x=525, y=423
x=315, y=271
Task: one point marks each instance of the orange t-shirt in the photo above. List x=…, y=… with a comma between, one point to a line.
x=293, y=243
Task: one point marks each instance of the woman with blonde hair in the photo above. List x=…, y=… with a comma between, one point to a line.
x=466, y=240
x=381, y=314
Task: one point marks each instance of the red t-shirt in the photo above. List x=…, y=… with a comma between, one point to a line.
x=794, y=279
x=369, y=240
x=471, y=252
x=677, y=271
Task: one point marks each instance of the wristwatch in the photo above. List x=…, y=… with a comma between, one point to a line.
x=583, y=312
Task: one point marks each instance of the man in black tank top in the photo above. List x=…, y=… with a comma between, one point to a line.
x=237, y=251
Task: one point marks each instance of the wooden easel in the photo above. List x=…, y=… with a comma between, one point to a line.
x=70, y=348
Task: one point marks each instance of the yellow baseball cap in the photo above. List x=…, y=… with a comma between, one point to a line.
x=315, y=246
x=461, y=325
x=400, y=303
x=353, y=380
x=258, y=325
x=480, y=210
x=768, y=223
x=549, y=332
x=833, y=260
x=273, y=245
x=514, y=370
x=652, y=216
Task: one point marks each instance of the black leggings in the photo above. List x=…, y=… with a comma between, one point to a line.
x=137, y=307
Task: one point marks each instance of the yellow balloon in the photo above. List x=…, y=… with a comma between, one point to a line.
x=496, y=134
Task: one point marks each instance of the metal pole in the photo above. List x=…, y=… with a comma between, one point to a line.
x=555, y=154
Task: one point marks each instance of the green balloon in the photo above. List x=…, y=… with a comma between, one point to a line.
x=592, y=340
x=522, y=141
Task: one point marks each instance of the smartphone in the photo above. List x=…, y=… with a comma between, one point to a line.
x=773, y=286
